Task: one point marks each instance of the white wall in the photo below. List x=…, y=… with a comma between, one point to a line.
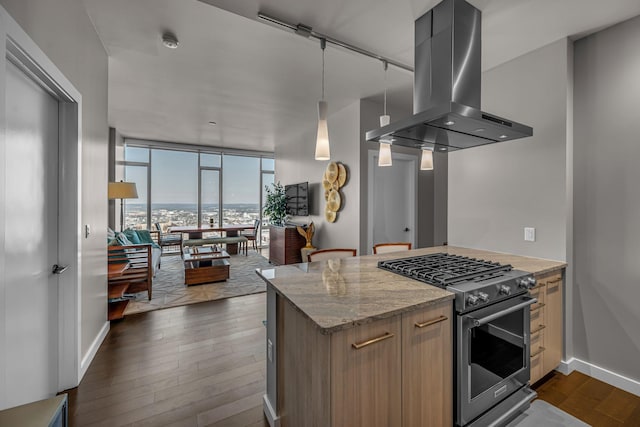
x=64, y=32
x=295, y=163
x=497, y=190
x=607, y=199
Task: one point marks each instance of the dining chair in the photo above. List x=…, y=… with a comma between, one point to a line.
x=253, y=235
x=324, y=254
x=168, y=239
x=383, y=248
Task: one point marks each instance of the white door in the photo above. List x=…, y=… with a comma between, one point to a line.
x=392, y=200
x=31, y=237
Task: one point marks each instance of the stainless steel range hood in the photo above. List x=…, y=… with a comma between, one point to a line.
x=446, y=99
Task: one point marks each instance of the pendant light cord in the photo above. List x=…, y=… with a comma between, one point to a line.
x=323, y=44
x=385, y=65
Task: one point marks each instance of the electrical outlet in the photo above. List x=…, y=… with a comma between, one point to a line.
x=529, y=234
x=270, y=350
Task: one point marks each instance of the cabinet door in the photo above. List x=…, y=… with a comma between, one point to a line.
x=366, y=375
x=537, y=351
x=538, y=327
x=427, y=379
x=553, y=317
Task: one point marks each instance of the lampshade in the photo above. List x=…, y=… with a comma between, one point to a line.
x=123, y=190
x=384, y=156
x=426, y=161
x=323, y=151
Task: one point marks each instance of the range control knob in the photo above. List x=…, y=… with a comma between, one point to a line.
x=483, y=297
x=532, y=282
x=472, y=300
x=523, y=283
x=504, y=290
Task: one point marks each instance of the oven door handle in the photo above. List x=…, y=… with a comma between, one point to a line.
x=483, y=320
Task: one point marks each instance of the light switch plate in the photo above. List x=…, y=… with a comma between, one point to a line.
x=529, y=234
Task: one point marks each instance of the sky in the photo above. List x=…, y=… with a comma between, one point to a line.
x=174, y=177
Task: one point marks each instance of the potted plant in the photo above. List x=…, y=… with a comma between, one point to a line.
x=275, y=206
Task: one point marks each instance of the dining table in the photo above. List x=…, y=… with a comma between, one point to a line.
x=196, y=231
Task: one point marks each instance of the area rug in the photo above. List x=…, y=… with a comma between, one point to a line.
x=169, y=289
x=541, y=413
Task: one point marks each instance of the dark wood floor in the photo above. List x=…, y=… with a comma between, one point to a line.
x=590, y=400
x=204, y=364
x=196, y=365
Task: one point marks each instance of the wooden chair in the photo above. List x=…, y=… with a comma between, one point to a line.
x=253, y=236
x=168, y=239
x=383, y=248
x=324, y=254
x=139, y=274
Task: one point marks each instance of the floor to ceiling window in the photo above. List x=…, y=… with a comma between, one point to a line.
x=136, y=169
x=267, y=178
x=193, y=187
x=174, y=188
x=240, y=189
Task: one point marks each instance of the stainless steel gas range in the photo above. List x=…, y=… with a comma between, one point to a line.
x=492, y=329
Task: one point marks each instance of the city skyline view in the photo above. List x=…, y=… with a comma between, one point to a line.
x=227, y=184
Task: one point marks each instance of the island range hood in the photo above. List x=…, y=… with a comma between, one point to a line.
x=446, y=99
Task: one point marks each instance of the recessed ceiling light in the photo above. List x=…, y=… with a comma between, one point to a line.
x=170, y=40
x=479, y=130
x=503, y=136
x=442, y=149
x=212, y=123
x=449, y=122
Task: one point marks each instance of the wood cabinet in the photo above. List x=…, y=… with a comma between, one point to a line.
x=390, y=372
x=284, y=245
x=546, y=324
x=427, y=365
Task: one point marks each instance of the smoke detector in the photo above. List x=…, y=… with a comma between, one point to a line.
x=170, y=40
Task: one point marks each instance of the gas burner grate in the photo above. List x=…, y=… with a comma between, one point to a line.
x=442, y=269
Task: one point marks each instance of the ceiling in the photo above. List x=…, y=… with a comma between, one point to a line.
x=260, y=84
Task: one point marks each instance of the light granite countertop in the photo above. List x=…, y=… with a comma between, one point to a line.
x=338, y=294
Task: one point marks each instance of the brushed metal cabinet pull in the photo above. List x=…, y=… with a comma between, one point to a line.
x=538, y=286
x=431, y=322
x=540, y=327
x=540, y=350
x=553, y=282
x=362, y=344
x=538, y=307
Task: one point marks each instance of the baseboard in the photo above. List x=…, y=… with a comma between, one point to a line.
x=270, y=413
x=627, y=384
x=95, y=345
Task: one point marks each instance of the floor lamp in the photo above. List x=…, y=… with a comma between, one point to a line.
x=122, y=190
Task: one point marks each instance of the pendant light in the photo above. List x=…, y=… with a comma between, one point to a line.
x=384, y=155
x=323, y=151
x=426, y=160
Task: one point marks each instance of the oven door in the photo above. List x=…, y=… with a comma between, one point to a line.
x=493, y=355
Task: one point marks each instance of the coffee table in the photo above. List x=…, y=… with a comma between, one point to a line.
x=204, y=264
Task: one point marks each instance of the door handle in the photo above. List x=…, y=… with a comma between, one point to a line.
x=59, y=269
x=527, y=301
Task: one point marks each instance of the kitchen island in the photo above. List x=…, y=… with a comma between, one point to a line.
x=349, y=344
